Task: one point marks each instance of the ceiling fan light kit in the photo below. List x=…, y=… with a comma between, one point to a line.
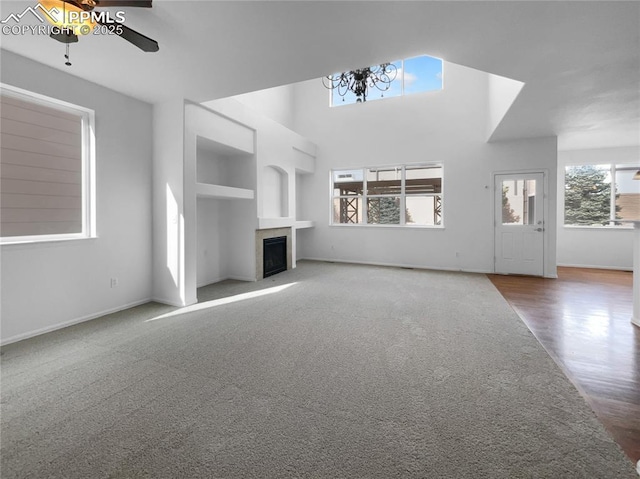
x=68, y=17
x=76, y=18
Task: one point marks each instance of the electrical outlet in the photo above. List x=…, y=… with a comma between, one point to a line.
x=114, y=282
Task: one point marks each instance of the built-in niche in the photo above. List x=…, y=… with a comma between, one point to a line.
x=225, y=184
x=218, y=164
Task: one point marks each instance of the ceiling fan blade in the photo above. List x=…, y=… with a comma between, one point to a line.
x=144, y=43
x=124, y=3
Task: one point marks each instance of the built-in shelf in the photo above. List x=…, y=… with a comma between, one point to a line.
x=205, y=190
x=267, y=223
x=303, y=224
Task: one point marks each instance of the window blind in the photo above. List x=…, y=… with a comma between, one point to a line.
x=40, y=169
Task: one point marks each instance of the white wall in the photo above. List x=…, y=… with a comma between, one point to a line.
x=274, y=196
x=46, y=286
x=594, y=247
x=448, y=127
x=210, y=263
x=502, y=93
x=239, y=241
x=301, y=181
x=274, y=103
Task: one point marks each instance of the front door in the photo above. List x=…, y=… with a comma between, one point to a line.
x=519, y=224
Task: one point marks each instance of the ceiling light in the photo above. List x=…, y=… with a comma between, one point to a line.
x=68, y=16
x=359, y=81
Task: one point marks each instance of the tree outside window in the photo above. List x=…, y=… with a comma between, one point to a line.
x=600, y=195
x=508, y=215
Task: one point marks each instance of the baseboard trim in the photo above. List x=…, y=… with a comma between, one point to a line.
x=210, y=281
x=168, y=302
x=591, y=266
x=242, y=278
x=398, y=265
x=66, y=324
x=234, y=278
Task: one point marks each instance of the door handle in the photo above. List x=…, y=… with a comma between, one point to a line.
x=539, y=229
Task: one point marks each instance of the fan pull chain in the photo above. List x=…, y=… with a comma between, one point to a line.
x=68, y=63
x=64, y=16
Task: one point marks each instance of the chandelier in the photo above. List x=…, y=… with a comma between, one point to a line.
x=359, y=81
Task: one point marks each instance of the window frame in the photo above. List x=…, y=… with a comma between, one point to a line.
x=88, y=159
x=364, y=197
x=613, y=223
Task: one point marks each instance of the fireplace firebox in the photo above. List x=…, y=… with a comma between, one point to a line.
x=275, y=255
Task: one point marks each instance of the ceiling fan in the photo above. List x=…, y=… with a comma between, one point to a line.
x=78, y=17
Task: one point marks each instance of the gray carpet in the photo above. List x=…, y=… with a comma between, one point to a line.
x=334, y=371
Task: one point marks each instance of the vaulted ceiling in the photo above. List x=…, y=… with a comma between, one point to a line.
x=580, y=61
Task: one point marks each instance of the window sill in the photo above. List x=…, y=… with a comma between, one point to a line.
x=628, y=227
x=404, y=227
x=43, y=242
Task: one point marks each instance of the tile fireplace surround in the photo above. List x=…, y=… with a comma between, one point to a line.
x=270, y=233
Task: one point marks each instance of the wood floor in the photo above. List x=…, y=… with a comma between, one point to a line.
x=583, y=320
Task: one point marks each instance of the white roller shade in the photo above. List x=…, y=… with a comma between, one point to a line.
x=41, y=169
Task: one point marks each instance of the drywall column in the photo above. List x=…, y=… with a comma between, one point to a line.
x=168, y=203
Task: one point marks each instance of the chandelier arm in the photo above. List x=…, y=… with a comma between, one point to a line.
x=324, y=82
x=331, y=82
x=382, y=83
x=343, y=87
x=391, y=69
x=360, y=80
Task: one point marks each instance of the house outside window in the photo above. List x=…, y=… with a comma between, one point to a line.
x=46, y=171
x=601, y=195
x=402, y=195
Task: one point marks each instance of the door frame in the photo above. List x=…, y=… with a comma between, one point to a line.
x=548, y=217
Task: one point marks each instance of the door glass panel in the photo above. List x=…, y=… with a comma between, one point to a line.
x=518, y=202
